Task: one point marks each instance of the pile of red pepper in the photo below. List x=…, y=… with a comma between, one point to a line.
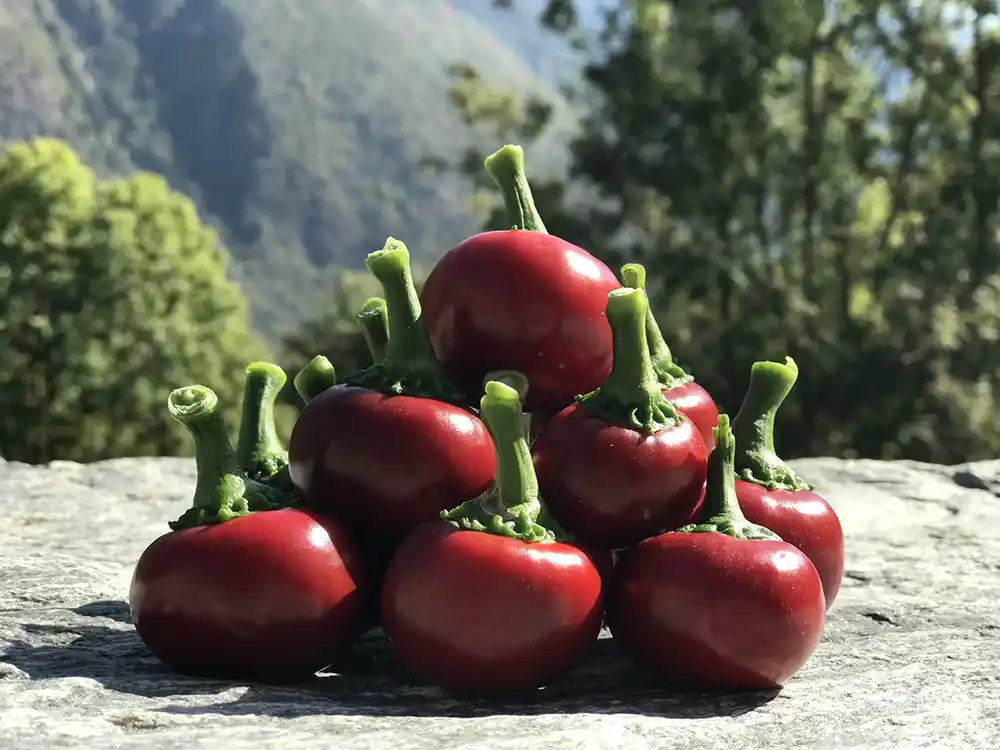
x=522, y=462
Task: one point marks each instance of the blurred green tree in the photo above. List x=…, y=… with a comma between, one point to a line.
x=113, y=293
x=817, y=179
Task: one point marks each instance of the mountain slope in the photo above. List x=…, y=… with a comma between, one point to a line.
x=297, y=125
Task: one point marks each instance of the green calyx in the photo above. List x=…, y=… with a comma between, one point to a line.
x=721, y=510
x=409, y=367
x=223, y=491
x=506, y=167
x=756, y=459
x=373, y=318
x=668, y=373
x=512, y=507
x=316, y=377
x=259, y=452
x=631, y=396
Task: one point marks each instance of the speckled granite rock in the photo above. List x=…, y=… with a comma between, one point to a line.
x=909, y=658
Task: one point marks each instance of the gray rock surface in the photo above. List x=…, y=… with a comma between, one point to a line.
x=909, y=658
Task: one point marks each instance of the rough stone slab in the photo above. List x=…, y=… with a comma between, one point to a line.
x=909, y=658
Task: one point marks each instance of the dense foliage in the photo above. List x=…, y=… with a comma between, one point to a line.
x=813, y=179
x=819, y=184
x=112, y=293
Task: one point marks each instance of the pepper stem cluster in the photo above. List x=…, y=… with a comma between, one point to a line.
x=756, y=459
x=721, y=510
x=506, y=167
x=668, y=372
x=512, y=507
x=409, y=367
x=631, y=396
x=223, y=491
x=258, y=449
x=317, y=376
x=373, y=318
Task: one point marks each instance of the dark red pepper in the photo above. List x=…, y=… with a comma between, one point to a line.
x=770, y=492
x=521, y=299
x=245, y=585
x=489, y=601
x=678, y=386
x=622, y=463
x=721, y=605
x=393, y=446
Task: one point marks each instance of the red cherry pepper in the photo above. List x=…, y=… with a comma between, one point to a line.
x=393, y=446
x=770, y=492
x=622, y=464
x=316, y=377
x=521, y=299
x=719, y=605
x=489, y=601
x=678, y=386
x=245, y=585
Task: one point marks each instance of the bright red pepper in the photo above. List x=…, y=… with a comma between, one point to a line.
x=678, y=386
x=521, y=299
x=719, y=605
x=245, y=585
x=622, y=464
x=770, y=492
x=488, y=601
x=393, y=446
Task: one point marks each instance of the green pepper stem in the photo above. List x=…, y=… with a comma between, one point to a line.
x=519, y=383
x=631, y=395
x=506, y=167
x=259, y=451
x=314, y=378
x=512, y=506
x=511, y=379
x=373, y=318
x=408, y=339
x=756, y=460
x=409, y=367
x=667, y=371
x=197, y=409
x=721, y=510
x=720, y=481
x=500, y=409
x=631, y=375
x=223, y=491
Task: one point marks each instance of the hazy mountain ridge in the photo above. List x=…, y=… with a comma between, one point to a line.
x=297, y=125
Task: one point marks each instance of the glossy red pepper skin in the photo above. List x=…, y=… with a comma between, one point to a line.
x=525, y=301
x=613, y=487
x=803, y=519
x=696, y=404
x=709, y=611
x=386, y=464
x=482, y=614
x=273, y=595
